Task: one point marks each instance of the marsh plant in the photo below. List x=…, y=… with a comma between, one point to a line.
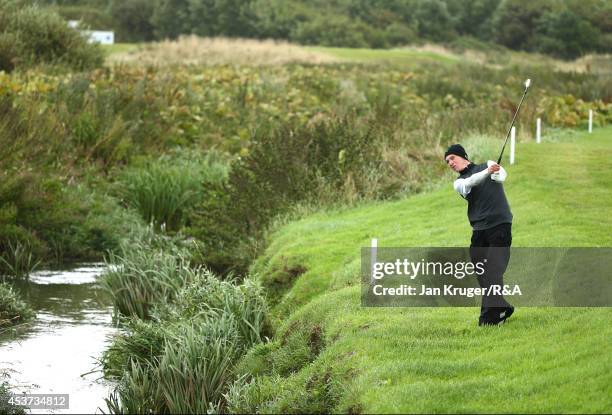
x=190, y=374
x=141, y=275
x=17, y=260
x=164, y=190
x=183, y=360
x=13, y=310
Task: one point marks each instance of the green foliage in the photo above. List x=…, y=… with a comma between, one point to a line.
x=293, y=164
x=141, y=343
x=132, y=20
x=142, y=274
x=12, y=309
x=40, y=36
x=189, y=376
x=183, y=360
x=90, y=17
x=207, y=295
x=566, y=35
x=170, y=18
x=165, y=190
x=434, y=20
x=541, y=25
x=338, y=31
x=6, y=407
x=571, y=112
x=17, y=260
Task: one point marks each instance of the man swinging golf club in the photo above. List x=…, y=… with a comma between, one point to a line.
x=491, y=219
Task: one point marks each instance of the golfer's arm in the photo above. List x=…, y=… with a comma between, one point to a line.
x=464, y=186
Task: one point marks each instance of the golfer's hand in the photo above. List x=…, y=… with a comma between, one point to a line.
x=494, y=168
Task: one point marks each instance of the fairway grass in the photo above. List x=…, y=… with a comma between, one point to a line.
x=396, y=55
x=432, y=360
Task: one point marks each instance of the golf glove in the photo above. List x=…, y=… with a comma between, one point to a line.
x=498, y=176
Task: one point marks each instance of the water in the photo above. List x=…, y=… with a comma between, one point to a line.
x=55, y=353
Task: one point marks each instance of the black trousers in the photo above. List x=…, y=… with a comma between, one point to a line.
x=492, y=247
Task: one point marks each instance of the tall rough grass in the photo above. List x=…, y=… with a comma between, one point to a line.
x=17, y=260
x=193, y=50
x=12, y=309
x=142, y=275
x=189, y=376
x=164, y=190
x=182, y=362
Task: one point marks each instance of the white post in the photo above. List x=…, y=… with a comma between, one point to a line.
x=512, y=144
x=590, y=121
x=539, y=130
x=373, y=259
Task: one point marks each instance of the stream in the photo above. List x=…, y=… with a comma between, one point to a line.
x=58, y=350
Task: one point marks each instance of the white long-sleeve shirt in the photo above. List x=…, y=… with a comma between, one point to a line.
x=464, y=186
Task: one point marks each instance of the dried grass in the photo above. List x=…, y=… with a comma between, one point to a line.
x=219, y=51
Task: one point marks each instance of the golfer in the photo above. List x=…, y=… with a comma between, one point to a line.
x=491, y=220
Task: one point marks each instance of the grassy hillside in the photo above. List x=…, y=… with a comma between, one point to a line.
x=330, y=354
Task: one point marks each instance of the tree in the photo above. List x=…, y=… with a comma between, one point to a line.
x=132, y=20
x=566, y=35
x=203, y=17
x=170, y=18
x=472, y=17
x=434, y=20
x=235, y=18
x=514, y=22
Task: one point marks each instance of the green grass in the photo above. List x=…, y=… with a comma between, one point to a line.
x=397, y=55
x=119, y=48
x=438, y=359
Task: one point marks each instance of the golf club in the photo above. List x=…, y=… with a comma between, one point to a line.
x=527, y=84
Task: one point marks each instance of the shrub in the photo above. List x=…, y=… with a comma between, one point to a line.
x=182, y=361
x=208, y=295
x=189, y=376
x=43, y=37
x=6, y=407
x=17, y=259
x=12, y=309
x=165, y=190
x=142, y=275
x=292, y=164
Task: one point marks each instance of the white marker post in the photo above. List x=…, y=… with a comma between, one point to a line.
x=373, y=259
x=539, y=130
x=590, y=121
x=512, y=144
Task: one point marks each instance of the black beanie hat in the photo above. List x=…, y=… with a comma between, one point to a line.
x=456, y=149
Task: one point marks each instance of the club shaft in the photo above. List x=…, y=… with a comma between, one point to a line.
x=512, y=125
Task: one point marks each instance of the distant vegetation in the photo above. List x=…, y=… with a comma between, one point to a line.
x=564, y=29
x=81, y=154
x=31, y=36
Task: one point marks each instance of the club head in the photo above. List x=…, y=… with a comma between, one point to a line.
x=527, y=83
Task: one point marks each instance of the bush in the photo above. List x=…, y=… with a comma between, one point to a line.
x=183, y=361
x=189, y=376
x=165, y=190
x=321, y=163
x=12, y=309
x=143, y=275
x=207, y=295
x=41, y=36
x=7, y=408
x=132, y=20
x=45, y=220
x=336, y=31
